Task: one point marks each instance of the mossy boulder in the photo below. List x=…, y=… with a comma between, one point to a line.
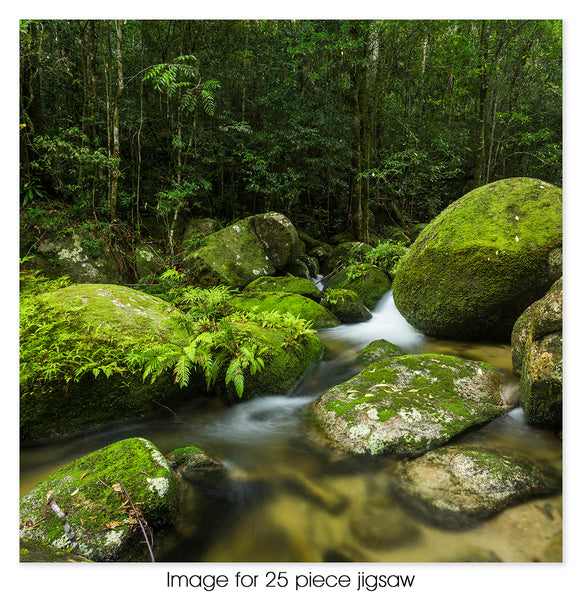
x=456, y=487
x=38, y=552
x=148, y=260
x=191, y=458
x=118, y=319
x=344, y=253
x=90, y=493
x=368, y=281
x=478, y=265
x=293, y=285
x=536, y=345
x=251, y=248
x=283, y=302
x=378, y=350
x=409, y=404
x=346, y=306
x=286, y=359
x=82, y=258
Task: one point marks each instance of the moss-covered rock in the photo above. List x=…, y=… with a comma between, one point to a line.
x=378, y=350
x=82, y=258
x=293, y=285
x=536, y=345
x=251, y=248
x=33, y=551
x=409, y=404
x=286, y=359
x=346, y=306
x=344, y=253
x=476, y=267
x=192, y=458
x=297, y=305
x=368, y=281
x=90, y=493
x=458, y=486
x=119, y=319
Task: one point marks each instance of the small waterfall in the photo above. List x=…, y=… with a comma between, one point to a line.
x=386, y=323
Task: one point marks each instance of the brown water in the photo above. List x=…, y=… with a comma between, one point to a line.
x=288, y=496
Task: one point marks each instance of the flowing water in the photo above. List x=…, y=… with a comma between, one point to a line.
x=286, y=495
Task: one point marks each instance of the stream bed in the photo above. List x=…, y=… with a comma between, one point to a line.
x=287, y=495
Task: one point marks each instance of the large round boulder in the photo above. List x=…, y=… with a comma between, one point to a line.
x=476, y=267
x=536, y=345
x=458, y=486
x=101, y=498
x=251, y=248
x=409, y=404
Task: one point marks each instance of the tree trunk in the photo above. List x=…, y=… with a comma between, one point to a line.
x=116, y=142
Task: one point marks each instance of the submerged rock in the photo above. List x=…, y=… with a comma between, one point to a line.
x=236, y=255
x=409, y=404
x=536, y=345
x=456, y=486
x=476, y=267
x=369, y=282
x=89, y=491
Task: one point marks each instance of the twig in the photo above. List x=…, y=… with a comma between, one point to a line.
x=139, y=520
x=63, y=519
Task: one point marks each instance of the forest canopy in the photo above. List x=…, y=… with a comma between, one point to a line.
x=340, y=125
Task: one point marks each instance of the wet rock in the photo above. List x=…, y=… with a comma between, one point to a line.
x=89, y=491
x=346, y=306
x=536, y=345
x=192, y=458
x=369, y=282
x=409, y=404
x=479, y=264
x=378, y=350
x=383, y=528
x=456, y=487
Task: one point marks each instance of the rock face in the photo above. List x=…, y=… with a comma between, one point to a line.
x=236, y=255
x=457, y=486
x=368, y=281
x=409, y=404
x=476, y=267
x=89, y=493
x=536, y=345
x=118, y=313
x=297, y=305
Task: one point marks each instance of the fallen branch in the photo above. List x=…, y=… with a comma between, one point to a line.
x=139, y=519
x=63, y=519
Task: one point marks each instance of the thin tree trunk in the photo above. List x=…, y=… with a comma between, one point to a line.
x=116, y=108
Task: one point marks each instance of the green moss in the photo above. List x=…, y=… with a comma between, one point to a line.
x=297, y=305
x=378, y=350
x=482, y=261
x=96, y=509
x=82, y=341
x=369, y=282
x=410, y=403
x=294, y=285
